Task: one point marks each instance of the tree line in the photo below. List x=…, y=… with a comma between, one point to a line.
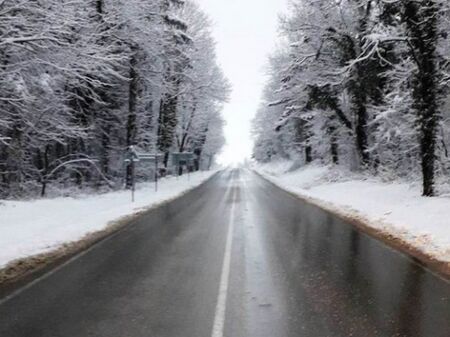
x=82, y=80
x=362, y=83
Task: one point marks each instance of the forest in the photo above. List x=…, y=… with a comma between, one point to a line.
x=361, y=84
x=83, y=80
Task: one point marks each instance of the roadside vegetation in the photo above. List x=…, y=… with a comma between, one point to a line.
x=82, y=81
x=361, y=84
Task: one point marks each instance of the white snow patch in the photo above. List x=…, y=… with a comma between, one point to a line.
x=397, y=208
x=32, y=227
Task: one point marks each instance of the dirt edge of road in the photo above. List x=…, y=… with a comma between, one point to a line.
x=20, y=272
x=441, y=268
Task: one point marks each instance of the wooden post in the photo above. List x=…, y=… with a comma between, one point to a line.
x=156, y=173
x=133, y=180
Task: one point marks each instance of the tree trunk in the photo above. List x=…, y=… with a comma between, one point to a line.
x=360, y=91
x=334, y=147
x=45, y=171
x=308, y=154
x=105, y=151
x=132, y=118
x=99, y=6
x=362, y=142
x=167, y=124
x=357, y=86
x=422, y=25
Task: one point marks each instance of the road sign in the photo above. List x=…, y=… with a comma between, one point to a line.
x=182, y=159
x=147, y=157
x=133, y=156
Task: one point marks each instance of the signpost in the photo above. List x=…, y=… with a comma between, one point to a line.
x=180, y=159
x=155, y=159
x=133, y=156
x=130, y=159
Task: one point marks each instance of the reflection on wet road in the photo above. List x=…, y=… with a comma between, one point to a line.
x=236, y=257
x=335, y=281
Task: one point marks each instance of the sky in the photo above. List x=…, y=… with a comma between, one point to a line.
x=246, y=34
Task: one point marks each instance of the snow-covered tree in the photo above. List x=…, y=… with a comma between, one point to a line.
x=362, y=77
x=204, y=88
x=83, y=80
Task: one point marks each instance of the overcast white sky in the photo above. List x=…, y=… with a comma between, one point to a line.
x=246, y=32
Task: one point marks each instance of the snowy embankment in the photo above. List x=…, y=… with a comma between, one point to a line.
x=395, y=208
x=29, y=228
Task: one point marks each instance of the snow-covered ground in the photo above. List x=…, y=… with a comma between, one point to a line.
x=396, y=208
x=32, y=227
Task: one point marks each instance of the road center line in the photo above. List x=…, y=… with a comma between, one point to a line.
x=219, y=317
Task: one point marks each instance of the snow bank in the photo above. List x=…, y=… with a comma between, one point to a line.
x=32, y=227
x=396, y=208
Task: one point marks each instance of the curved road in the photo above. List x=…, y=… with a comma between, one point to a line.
x=236, y=257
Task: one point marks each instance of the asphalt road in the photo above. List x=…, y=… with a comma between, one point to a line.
x=236, y=257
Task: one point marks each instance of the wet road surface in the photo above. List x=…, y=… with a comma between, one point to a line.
x=236, y=257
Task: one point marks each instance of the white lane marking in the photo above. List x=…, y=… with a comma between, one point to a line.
x=77, y=256
x=221, y=306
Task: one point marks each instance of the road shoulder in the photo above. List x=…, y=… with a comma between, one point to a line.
x=22, y=271
x=367, y=226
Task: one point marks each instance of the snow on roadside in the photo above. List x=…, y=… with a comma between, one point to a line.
x=29, y=228
x=396, y=208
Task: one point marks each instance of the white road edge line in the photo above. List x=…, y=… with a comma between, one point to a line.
x=221, y=306
x=77, y=256
x=61, y=266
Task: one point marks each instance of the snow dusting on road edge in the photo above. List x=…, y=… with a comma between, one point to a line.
x=36, y=233
x=393, y=212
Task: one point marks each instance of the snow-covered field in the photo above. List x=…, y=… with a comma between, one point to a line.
x=32, y=227
x=396, y=208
